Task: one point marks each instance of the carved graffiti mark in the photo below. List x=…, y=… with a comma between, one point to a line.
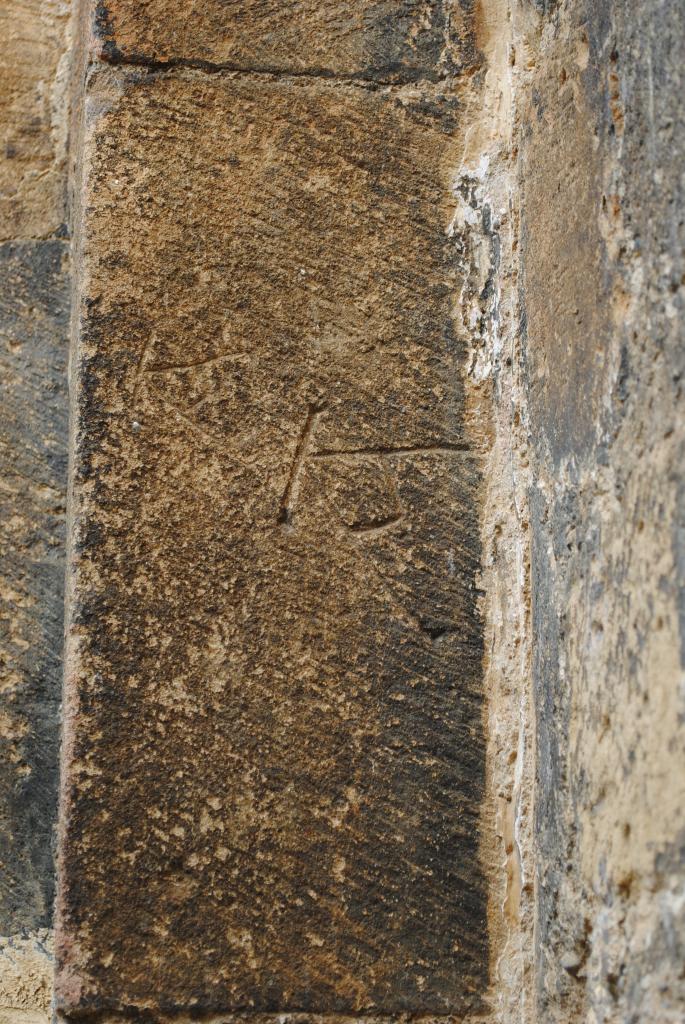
x=418, y=449
x=206, y=436
x=377, y=525
x=366, y=526
x=140, y=368
x=292, y=487
x=370, y=528
x=197, y=364
x=375, y=529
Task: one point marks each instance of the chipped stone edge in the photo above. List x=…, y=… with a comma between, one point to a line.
x=26, y=972
x=489, y=220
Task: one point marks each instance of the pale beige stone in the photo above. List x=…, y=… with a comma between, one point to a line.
x=26, y=968
x=34, y=72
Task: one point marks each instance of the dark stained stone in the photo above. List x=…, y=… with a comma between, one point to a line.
x=384, y=40
x=33, y=469
x=274, y=748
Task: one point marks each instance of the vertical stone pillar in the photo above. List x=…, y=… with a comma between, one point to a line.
x=34, y=317
x=602, y=290
x=273, y=754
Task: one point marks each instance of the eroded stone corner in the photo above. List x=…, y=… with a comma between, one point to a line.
x=487, y=220
x=26, y=977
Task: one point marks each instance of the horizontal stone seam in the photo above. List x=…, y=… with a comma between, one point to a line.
x=51, y=236
x=269, y=71
x=271, y=1016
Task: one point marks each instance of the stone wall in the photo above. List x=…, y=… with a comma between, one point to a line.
x=374, y=671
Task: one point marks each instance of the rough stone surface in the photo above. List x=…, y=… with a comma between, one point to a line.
x=33, y=464
x=26, y=977
x=33, y=455
x=33, y=434
x=33, y=116
x=396, y=40
x=602, y=146
x=316, y=241
x=274, y=751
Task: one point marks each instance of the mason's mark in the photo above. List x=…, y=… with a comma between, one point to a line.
x=292, y=488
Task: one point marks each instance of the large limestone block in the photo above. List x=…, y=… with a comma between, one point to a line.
x=385, y=39
x=274, y=759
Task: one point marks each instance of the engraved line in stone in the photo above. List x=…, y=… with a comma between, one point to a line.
x=376, y=529
x=195, y=365
x=140, y=368
x=292, y=1017
x=292, y=487
x=419, y=449
x=206, y=435
x=409, y=76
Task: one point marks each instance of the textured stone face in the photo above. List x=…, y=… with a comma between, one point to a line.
x=33, y=117
x=603, y=261
x=33, y=469
x=274, y=757
x=34, y=317
x=33, y=327
x=384, y=39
